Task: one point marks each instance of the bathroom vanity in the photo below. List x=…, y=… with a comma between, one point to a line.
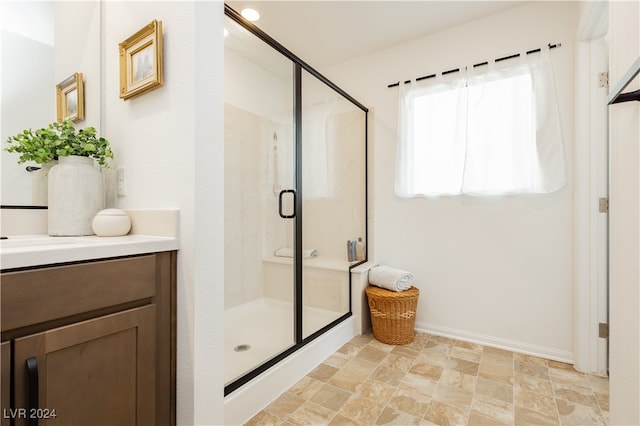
x=89, y=338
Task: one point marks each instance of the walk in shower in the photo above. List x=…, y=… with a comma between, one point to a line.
x=295, y=199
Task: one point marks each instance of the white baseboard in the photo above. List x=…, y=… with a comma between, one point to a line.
x=497, y=342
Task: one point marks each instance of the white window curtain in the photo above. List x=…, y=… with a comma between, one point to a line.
x=481, y=134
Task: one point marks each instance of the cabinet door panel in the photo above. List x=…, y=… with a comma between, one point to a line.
x=97, y=372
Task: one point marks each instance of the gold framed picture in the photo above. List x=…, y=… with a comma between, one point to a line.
x=141, y=67
x=70, y=98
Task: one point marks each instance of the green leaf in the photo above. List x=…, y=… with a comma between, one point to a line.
x=59, y=139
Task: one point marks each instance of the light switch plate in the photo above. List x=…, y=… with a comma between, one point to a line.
x=121, y=189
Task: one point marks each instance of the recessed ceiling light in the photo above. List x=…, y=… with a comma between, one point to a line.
x=250, y=14
x=226, y=32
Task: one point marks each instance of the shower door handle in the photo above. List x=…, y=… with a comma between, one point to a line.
x=280, y=198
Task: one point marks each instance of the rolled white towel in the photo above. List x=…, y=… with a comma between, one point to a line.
x=390, y=278
x=288, y=252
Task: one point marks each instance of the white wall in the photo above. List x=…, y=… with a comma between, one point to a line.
x=28, y=101
x=27, y=89
x=170, y=143
x=77, y=26
x=495, y=270
x=43, y=43
x=624, y=38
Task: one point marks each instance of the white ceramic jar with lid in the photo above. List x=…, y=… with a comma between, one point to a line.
x=111, y=223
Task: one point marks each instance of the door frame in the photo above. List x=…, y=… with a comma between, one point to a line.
x=592, y=184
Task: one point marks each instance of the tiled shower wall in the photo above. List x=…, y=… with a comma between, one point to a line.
x=259, y=164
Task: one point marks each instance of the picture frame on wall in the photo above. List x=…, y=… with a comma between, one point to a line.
x=70, y=98
x=141, y=62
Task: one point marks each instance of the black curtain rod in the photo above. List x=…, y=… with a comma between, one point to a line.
x=504, y=58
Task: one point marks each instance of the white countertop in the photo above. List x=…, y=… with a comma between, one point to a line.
x=35, y=250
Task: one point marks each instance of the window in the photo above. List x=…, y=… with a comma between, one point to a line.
x=494, y=133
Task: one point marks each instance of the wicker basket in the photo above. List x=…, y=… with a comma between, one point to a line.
x=393, y=314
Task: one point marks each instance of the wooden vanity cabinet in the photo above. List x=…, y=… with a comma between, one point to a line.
x=90, y=343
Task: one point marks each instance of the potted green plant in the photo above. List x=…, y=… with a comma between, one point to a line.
x=59, y=140
x=75, y=185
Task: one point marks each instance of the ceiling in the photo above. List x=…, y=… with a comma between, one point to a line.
x=325, y=33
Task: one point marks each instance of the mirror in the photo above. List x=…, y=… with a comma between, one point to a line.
x=43, y=43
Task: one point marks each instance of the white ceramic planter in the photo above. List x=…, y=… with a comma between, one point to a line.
x=40, y=188
x=76, y=194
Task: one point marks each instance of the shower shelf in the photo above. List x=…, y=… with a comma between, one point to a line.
x=328, y=263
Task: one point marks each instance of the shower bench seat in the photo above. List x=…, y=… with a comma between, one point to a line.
x=326, y=281
x=318, y=262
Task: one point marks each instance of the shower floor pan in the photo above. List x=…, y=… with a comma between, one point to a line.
x=258, y=330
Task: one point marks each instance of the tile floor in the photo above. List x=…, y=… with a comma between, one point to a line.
x=437, y=380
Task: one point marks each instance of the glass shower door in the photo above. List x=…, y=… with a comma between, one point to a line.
x=259, y=184
x=333, y=150
x=295, y=197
